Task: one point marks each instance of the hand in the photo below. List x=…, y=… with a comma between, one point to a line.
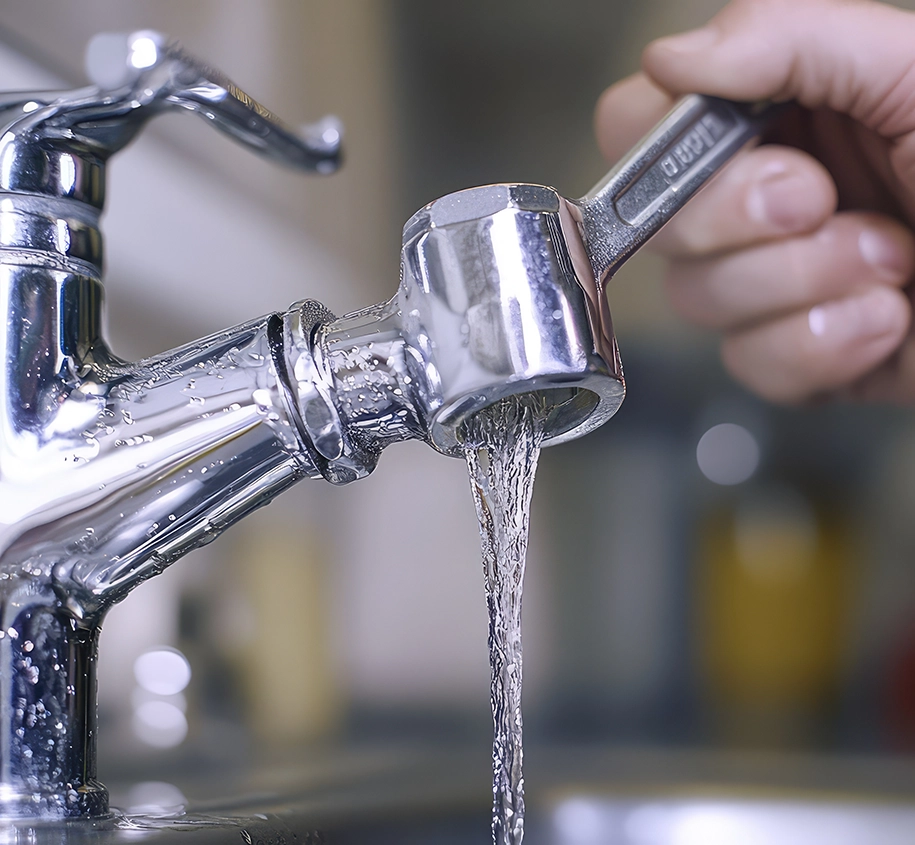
x=799, y=253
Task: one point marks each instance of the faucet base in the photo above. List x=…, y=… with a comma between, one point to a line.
x=85, y=802
x=48, y=720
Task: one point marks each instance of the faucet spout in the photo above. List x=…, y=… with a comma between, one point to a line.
x=109, y=472
x=134, y=464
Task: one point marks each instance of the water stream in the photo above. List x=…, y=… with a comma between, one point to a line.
x=502, y=445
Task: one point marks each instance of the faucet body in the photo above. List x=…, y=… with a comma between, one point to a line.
x=110, y=471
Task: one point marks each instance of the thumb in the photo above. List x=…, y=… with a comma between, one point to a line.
x=851, y=56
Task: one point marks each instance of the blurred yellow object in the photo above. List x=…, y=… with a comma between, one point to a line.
x=773, y=600
x=285, y=660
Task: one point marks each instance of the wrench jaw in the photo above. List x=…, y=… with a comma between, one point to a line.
x=503, y=292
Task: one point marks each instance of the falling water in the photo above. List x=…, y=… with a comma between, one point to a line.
x=501, y=445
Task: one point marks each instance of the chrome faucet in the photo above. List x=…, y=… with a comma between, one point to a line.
x=110, y=471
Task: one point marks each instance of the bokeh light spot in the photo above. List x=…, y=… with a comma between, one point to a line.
x=163, y=671
x=727, y=454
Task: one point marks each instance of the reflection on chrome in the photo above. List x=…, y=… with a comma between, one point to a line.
x=110, y=471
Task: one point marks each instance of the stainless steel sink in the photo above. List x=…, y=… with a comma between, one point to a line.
x=580, y=796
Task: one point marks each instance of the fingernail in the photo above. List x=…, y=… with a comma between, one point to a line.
x=883, y=252
x=689, y=42
x=778, y=199
x=864, y=317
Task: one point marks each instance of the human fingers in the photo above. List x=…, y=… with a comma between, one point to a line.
x=893, y=381
x=765, y=193
x=850, y=252
x=850, y=56
x=626, y=111
x=823, y=349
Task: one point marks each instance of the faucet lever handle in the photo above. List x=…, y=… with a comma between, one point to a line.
x=140, y=74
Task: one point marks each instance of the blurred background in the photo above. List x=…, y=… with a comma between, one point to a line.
x=706, y=571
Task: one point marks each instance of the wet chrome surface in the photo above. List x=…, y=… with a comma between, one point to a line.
x=503, y=286
x=491, y=305
x=110, y=471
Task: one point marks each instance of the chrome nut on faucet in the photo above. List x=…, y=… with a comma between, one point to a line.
x=110, y=471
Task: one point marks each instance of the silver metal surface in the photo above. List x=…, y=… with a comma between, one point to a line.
x=661, y=173
x=110, y=471
x=492, y=304
x=503, y=287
